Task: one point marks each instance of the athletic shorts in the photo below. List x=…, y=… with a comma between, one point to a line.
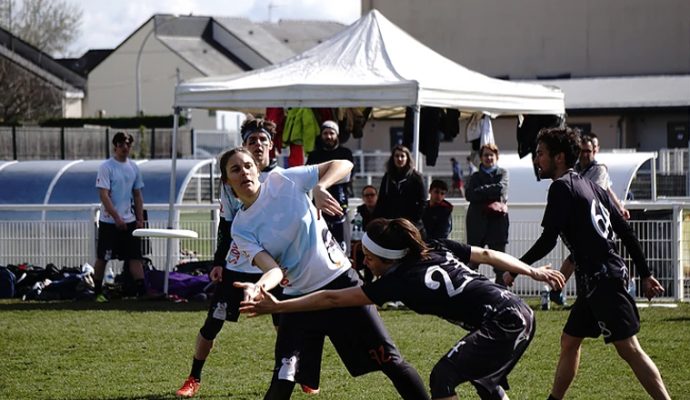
x=357, y=333
x=115, y=244
x=225, y=302
x=607, y=310
x=486, y=356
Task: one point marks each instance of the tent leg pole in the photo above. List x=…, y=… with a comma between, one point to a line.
x=415, y=137
x=171, y=209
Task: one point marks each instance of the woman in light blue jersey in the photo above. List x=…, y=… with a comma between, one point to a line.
x=283, y=233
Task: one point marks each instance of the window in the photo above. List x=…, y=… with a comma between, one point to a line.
x=678, y=135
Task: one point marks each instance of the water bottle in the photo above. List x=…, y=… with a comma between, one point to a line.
x=632, y=288
x=545, y=303
x=109, y=278
x=357, y=229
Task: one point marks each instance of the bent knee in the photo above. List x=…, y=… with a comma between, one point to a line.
x=211, y=328
x=443, y=380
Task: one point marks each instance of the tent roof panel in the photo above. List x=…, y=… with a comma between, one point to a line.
x=370, y=63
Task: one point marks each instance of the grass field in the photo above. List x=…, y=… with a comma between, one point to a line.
x=142, y=350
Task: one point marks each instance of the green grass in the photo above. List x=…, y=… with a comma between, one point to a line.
x=142, y=350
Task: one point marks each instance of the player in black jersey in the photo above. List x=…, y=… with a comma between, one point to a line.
x=587, y=220
x=436, y=280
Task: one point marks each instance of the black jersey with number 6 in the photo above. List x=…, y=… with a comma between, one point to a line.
x=587, y=221
x=443, y=286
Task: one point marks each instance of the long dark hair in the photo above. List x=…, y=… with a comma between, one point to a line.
x=398, y=234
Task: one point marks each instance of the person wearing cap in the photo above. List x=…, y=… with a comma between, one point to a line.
x=331, y=149
x=229, y=264
x=436, y=280
x=119, y=183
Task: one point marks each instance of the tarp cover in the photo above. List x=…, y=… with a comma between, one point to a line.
x=370, y=63
x=74, y=182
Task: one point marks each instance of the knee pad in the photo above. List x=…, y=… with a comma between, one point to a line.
x=211, y=328
x=443, y=380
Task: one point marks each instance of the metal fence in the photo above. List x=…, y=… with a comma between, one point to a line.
x=666, y=241
x=37, y=143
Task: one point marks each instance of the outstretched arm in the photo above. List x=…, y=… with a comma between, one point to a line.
x=323, y=299
x=511, y=264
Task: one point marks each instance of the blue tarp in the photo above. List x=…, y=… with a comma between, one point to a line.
x=74, y=182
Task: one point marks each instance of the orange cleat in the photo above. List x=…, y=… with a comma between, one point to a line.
x=189, y=388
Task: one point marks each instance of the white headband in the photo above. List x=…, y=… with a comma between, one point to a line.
x=388, y=254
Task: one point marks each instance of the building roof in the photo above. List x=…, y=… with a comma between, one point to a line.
x=624, y=92
x=302, y=35
x=264, y=45
x=86, y=62
x=225, y=45
x=200, y=53
x=39, y=63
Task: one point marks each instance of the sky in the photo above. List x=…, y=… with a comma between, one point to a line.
x=107, y=23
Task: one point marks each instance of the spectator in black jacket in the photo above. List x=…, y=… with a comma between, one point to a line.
x=487, y=215
x=438, y=212
x=331, y=149
x=402, y=192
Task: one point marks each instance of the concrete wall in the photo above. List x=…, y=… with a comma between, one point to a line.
x=529, y=38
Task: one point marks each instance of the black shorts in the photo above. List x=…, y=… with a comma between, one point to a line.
x=114, y=244
x=607, y=310
x=357, y=333
x=225, y=302
x=486, y=356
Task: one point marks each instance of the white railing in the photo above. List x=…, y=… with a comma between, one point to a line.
x=73, y=242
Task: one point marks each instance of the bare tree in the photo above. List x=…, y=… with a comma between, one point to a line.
x=26, y=98
x=49, y=25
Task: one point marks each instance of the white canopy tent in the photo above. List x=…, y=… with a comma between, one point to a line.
x=371, y=63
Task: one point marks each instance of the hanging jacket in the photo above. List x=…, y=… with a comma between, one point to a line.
x=302, y=128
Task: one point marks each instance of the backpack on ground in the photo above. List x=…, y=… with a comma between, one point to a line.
x=7, y=281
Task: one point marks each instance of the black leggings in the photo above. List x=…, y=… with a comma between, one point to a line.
x=405, y=378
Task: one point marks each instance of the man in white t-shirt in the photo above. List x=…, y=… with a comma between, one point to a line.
x=119, y=185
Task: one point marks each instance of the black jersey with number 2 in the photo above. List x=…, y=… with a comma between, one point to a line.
x=443, y=286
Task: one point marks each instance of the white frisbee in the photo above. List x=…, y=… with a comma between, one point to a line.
x=166, y=233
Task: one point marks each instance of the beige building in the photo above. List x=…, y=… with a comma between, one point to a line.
x=140, y=75
x=624, y=65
